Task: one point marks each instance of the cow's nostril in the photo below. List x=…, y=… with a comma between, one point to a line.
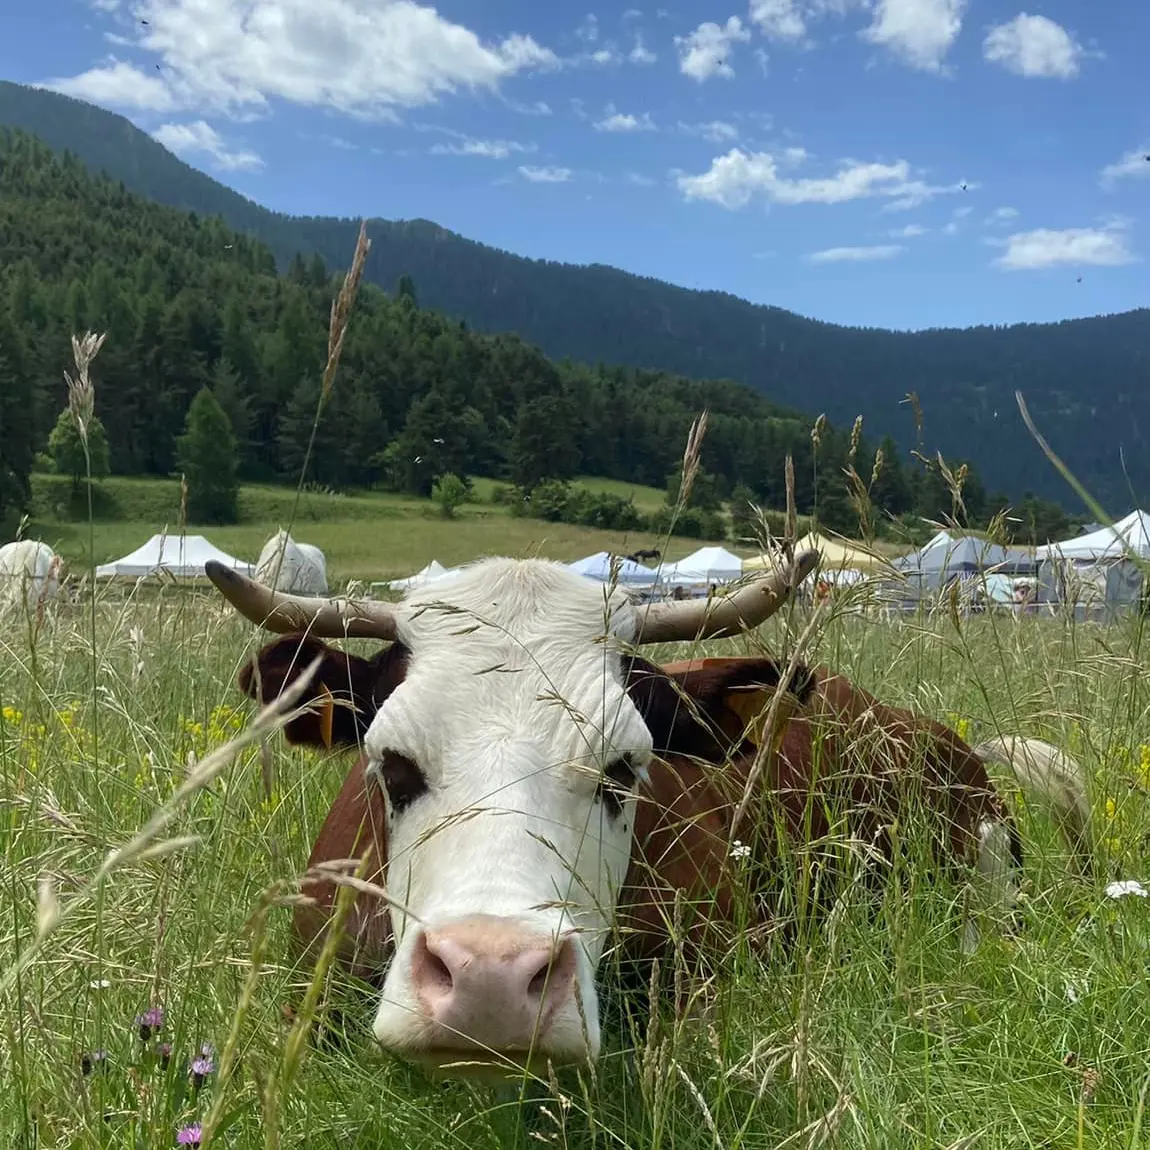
x=430, y=970
x=541, y=978
x=554, y=972
x=438, y=972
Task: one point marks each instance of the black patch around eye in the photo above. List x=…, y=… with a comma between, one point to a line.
x=617, y=783
x=403, y=781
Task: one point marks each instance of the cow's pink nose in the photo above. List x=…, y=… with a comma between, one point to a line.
x=486, y=981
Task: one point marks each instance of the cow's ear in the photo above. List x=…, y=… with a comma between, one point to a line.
x=693, y=708
x=344, y=690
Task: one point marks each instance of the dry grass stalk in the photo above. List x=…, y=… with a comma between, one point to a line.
x=81, y=390
x=916, y=410
x=691, y=455
x=856, y=435
x=341, y=310
x=792, y=520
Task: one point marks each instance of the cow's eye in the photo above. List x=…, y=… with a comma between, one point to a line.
x=403, y=781
x=616, y=784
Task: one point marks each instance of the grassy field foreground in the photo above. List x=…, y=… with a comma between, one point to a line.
x=877, y=1035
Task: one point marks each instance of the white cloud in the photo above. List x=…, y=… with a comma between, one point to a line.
x=1105, y=246
x=537, y=108
x=639, y=180
x=1033, y=46
x=589, y=29
x=909, y=232
x=917, y=192
x=716, y=131
x=624, y=122
x=779, y=19
x=1135, y=162
x=735, y=178
x=704, y=52
x=485, y=149
x=545, y=175
x=919, y=32
x=640, y=54
x=855, y=255
x=199, y=137
x=788, y=20
x=1001, y=215
x=607, y=55
x=356, y=56
x=118, y=84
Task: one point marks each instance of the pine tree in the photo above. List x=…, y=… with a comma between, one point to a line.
x=16, y=452
x=405, y=292
x=541, y=447
x=230, y=396
x=207, y=456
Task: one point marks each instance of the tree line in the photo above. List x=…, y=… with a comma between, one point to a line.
x=198, y=318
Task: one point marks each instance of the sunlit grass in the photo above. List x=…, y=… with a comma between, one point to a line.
x=878, y=1034
x=367, y=537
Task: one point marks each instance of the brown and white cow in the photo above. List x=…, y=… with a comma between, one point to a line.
x=527, y=784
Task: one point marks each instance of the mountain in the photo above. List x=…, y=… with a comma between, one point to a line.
x=189, y=305
x=1085, y=381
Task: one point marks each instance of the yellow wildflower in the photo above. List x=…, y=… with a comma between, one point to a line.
x=12, y=716
x=1144, y=764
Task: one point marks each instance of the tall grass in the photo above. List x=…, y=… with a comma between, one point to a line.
x=875, y=1034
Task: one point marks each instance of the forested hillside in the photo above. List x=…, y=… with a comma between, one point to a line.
x=1085, y=380
x=187, y=303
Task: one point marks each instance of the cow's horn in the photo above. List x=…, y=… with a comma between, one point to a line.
x=281, y=613
x=745, y=607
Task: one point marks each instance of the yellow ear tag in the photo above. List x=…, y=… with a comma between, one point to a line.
x=326, y=715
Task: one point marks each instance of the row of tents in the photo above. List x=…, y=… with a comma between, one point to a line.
x=1099, y=566
x=707, y=567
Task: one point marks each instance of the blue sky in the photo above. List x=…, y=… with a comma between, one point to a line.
x=805, y=153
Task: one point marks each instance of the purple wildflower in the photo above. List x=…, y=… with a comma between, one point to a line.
x=164, y=1051
x=202, y=1066
x=94, y=1059
x=151, y=1020
x=189, y=1135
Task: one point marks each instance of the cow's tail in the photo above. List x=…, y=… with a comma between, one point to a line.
x=1054, y=778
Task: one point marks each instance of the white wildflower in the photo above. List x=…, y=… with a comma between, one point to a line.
x=1124, y=887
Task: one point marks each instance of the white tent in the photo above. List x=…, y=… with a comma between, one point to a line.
x=598, y=566
x=1106, y=543
x=428, y=574
x=707, y=565
x=183, y=556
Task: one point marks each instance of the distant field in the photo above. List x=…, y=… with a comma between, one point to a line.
x=374, y=536
x=647, y=499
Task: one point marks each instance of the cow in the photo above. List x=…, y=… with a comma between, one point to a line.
x=302, y=568
x=29, y=576
x=528, y=783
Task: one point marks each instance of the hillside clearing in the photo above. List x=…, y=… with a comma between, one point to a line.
x=366, y=537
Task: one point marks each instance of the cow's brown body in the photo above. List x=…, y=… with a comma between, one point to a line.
x=845, y=752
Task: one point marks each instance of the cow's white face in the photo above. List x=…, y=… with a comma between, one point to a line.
x=509, y=753
x=504, y=736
